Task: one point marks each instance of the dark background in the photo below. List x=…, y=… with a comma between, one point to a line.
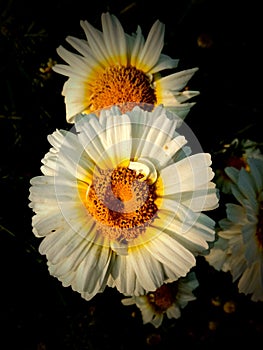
x=224, y=39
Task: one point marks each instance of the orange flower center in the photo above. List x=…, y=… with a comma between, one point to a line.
x=237, y=162
x=122, y=203
x=122, y=86
x=163, y=297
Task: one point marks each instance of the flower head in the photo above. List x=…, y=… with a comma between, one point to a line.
x=234, y=154
x=168, y=300
x=112, y=68
x=239, y=248
x=120, y=202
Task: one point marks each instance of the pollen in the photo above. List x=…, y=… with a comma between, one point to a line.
x=163, y=297
x=122, y=86
x=122, y=204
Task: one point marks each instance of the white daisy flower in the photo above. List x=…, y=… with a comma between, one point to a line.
x=239, y=248
x=235, y=154
x=112, y=68
x=169, y=300
x=120, y=202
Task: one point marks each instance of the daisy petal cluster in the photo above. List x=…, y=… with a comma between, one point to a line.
x=239, y=248
x=110, y=67
x=169, y=300
x=120, y=202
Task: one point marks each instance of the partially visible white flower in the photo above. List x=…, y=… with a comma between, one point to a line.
x=251, y=149
x=234, y=154
x=169, y=300
x=239, y=248
x=113, y=68
x=120, y=202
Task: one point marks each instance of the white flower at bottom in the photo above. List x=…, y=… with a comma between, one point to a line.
x=168, y=300
x=239, y=248
x=120, y=202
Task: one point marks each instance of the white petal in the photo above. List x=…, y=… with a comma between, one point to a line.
x=128, y=301
x=188, y=174
x=172, y=254
x=59, y=245
x=164, y=62
x=114, y=38
x=256, y=166
x=78, y=62
x=124, y=277
x=84, y=49
x=235, y=212
x=44, y=225
x=180, y=110
x=92, y=137
x=136, y=45
x=78, y=251
x=251, y=282
x=151, y=51
x=157, y=320
x=193, y=235
x=68, y=71
x=96, y=43
x=216, y=258
x=171, y=148
x=149, y=271
x=93, y=270
x=232, y=173
x=119, y=139
x=146, y=311
x=200, y=199
x=177, y=81
x=182, y=96
x=173, y=312
x=157, y=136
